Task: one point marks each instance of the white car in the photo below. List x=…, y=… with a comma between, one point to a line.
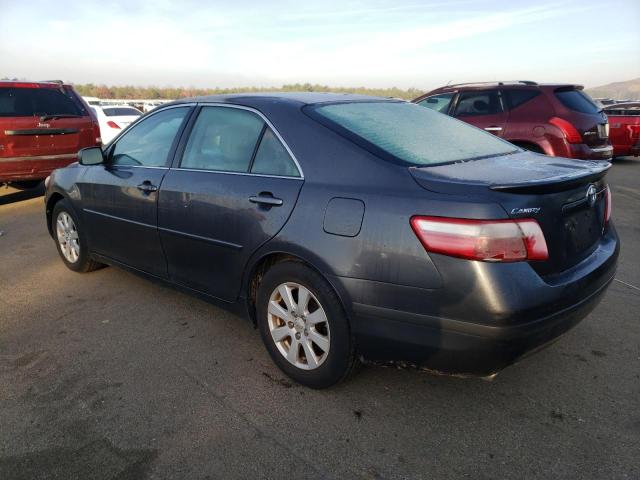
x=113, y=120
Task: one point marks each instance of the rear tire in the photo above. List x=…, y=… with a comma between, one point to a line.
x=70, y=240
x=26, y=184
x=303, y=326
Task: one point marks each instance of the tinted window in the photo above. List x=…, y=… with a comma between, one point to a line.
x=577, y=101
x=222, y=139
x=519, y=97
x=272, y=158
x=148, y=143
x=410, y=133
x=478, y=103
x=121, y=111
x=27, y=102
x=439, y=103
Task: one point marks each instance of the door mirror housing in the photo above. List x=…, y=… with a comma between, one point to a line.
x=91, y=156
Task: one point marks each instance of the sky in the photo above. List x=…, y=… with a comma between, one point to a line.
x=382, y=43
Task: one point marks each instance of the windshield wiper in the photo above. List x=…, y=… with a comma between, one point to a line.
x=58, y=115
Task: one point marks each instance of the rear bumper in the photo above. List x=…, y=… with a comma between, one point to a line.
x=584, y=152
x=479, y=325
x=32, y=167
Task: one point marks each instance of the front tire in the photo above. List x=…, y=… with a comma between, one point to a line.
x=70, y=240
x=303, y=326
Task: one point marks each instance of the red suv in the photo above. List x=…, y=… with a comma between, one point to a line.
x=42, y=127
x=555, y=119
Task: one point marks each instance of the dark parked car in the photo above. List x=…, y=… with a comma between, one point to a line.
x=346, y=227
x=624, y=119
x=555, y=119
x=42, y=127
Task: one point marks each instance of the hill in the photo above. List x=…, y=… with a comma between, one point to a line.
x=617, y=90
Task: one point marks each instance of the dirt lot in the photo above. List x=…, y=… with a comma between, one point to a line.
x=109, y=376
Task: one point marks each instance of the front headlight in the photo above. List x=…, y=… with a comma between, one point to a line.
x=46, y=181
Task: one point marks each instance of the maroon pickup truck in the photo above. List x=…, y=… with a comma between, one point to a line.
x=42, y=127
x=624, y=128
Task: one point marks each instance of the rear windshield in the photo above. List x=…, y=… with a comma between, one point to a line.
x=409, y=133
x=121, y=111
x=577, y=100
x=29, y=102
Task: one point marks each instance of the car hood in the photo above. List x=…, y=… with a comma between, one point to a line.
x=513, y=172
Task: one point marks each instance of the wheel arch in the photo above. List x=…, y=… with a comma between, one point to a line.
x=50, y=205
x=529, y=145
x=267, y=260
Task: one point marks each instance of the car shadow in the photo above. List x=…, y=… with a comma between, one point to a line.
x=21, y=195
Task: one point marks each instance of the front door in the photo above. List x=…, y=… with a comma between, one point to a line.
x=120, y=198
x=483, y=109
x=233, y=190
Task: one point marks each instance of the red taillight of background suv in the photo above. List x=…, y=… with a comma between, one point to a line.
x=42, y=127
x=558, y=120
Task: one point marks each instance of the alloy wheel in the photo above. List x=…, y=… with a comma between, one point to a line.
x=67, y=235
x=299, y=326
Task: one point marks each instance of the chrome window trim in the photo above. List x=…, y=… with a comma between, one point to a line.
x=269, y=124
x=236, y=173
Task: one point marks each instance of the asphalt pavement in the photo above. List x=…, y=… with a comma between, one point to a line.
x=109, y=376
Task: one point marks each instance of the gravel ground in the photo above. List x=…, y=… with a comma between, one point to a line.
x=110, y=376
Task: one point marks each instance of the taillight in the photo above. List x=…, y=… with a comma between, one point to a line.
x=96, y=133
x=569, y=131
x=113, y=124
x=607, y=205
x=485, y=240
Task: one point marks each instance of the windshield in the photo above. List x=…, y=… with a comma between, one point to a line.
x=409, y=133
x=27, y=102
x=577, y=100
x=121, y=111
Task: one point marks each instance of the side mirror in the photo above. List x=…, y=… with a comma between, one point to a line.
x=91, y=156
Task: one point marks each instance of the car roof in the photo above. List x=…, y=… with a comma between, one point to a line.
x=517, y=84
x=30, y=84
x=291, y=98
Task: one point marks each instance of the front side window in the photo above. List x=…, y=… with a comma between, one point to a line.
x=149, y=142
x=439, y=103
x=407, y=133
x=478, y=103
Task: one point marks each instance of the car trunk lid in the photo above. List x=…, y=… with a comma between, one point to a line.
x=566, y=197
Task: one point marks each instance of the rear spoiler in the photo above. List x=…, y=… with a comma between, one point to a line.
x=555, y=184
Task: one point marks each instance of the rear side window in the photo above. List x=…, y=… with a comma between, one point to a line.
x=409, y=134
x=577, y=100
x=439, y=103
x=222, y=139
x=478, y=103
x=121, y=111
x=272, y=158
x=29, y=102
x=520, y=97
x=148, y=143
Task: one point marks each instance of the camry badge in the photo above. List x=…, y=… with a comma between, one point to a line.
x=522, y=211
x=592, y=195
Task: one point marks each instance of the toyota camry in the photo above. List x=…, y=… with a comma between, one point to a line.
x=347, y=228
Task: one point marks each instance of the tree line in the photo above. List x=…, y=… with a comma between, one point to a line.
x=131, y=91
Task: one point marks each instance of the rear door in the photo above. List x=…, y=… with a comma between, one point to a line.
x=120, y=198
x=233, y=189
x=483, y=109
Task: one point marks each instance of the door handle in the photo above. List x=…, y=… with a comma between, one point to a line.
x=147, y=187
x=266, y=199
x=493, y=129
